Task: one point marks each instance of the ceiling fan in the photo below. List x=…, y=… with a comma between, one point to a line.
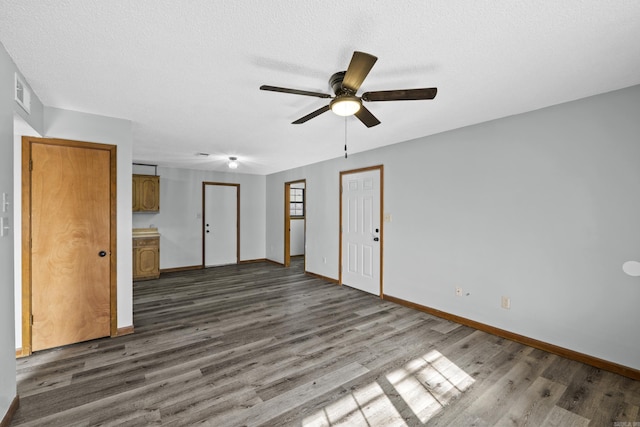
x=345, y=84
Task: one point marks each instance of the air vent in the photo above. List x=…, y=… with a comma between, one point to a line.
x=22, y=94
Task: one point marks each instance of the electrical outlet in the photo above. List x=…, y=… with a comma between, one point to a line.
x=458, y=292
x=506, y=303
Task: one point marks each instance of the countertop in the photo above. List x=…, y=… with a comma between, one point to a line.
x=145, y=232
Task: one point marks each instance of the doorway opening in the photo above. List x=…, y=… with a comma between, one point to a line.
x=361, y=229
x=295, y=209
x=220, y=224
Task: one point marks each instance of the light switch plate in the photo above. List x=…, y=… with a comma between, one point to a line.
x=5, y=202
x=4, y=226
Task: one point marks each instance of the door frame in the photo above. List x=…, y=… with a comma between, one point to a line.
x=27, y=142
x=380, y=169
x=287, y=220
x=227, y=184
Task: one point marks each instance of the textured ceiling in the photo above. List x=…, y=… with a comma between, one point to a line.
x=187, y=72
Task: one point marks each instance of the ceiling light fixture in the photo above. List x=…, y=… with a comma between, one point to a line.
x=345, y=105
x=233, y=163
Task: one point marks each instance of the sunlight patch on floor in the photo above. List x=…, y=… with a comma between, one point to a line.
x=368, y=406
x=426, y=384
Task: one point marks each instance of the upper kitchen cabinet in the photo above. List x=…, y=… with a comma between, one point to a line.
x=146, y=193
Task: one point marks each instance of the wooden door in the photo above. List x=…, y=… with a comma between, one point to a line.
x=221, y=224
x=361, y=231
x=72, y=216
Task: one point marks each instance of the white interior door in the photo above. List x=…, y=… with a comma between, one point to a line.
x=361, y=231
x=220, y=224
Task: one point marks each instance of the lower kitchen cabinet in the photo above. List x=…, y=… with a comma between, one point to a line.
x=146, y=256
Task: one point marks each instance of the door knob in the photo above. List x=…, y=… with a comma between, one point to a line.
x=207, y=231
x=375, y=239
x=102, y=253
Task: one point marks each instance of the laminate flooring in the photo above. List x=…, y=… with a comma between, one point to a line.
x=262, y=345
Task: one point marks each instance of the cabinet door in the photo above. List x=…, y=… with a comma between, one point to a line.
x=135, y=193
x=146, y=258
x=149, y=193
x=146, y=193
x=147, y=261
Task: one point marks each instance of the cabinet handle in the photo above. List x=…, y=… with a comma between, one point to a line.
x=102, y=253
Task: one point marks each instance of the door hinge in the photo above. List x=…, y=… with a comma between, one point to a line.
x=31, y=319
x=30, y=164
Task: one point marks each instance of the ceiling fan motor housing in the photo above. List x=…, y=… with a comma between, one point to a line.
x=335, y=81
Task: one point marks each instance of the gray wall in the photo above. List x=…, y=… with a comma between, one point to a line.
x=73, y=125
x=8, y=108
x=542, y=207
x=180, y=218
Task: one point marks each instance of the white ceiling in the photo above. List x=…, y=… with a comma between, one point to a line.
x=187, y=72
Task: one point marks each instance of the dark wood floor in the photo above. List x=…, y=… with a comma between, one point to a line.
x=258, y=344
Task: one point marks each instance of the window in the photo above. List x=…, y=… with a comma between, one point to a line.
x=296, y=202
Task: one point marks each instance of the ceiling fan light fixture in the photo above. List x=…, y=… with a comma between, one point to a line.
x=233, y=163
x=346, y=105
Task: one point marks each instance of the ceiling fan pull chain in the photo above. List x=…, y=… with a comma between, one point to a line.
x=345, y=137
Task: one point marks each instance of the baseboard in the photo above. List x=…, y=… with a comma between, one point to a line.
x=127, y=330
x=6, y=420
x=176, y=269
x=281, y=264
x=319, y=276
x=252, y=261
x=200, y=267
x=531, y=342
x=19, y=352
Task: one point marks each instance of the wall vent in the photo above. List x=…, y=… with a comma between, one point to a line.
x=22, y=94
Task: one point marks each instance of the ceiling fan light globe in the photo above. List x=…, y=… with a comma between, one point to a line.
x=233, y=163
x=346, y=106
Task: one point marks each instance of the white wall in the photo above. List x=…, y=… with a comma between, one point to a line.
x=78, y=126
x=8, y=108
x=296, y=238
x=180, y=218
x=541, y=207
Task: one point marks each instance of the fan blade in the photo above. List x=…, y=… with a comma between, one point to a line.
x=360, y=65
x=401, y=95
x=366, y=117
x=312, y=115
x=294, y=91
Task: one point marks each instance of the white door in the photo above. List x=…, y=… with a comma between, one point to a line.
x=220, y=224
x=361, y=231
